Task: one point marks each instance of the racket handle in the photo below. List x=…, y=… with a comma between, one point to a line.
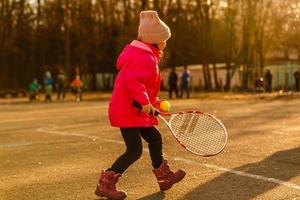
x=139, y=106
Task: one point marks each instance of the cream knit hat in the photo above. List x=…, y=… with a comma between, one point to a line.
x=151, y=29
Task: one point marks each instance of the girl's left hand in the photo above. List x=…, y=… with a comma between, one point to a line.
x=148, y=109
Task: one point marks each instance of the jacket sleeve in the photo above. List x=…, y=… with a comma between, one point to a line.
x=156, y=103
x=136, y=77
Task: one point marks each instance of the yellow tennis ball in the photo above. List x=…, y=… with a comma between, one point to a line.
x=164, y=106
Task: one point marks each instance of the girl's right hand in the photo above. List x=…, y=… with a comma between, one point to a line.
x=148, y=109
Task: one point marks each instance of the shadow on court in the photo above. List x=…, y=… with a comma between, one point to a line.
x=154, y=196
x=282, y=165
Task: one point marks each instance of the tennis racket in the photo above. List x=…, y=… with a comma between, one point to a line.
x=200, y=133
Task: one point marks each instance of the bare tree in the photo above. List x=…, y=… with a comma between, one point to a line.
x=89, y=34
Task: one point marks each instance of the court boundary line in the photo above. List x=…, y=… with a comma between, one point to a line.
x=187, y=161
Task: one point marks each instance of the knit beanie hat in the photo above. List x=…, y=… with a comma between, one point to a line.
x=151, y=29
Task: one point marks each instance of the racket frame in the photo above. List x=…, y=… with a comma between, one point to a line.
x=172, y=116
x=163, y=116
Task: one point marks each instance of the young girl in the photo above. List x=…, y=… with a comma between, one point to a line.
x=139, y=80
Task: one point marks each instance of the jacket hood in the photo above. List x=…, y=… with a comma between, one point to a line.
x=133, y=50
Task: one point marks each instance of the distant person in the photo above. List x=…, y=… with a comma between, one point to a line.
x=48, y=82
x=268, y=81
x=185, y=83
x=61, y=84
x=34, y=88
x=172, y=82
x=139, y=80
x=258, y=83
x=297, y=80
x=77, y=85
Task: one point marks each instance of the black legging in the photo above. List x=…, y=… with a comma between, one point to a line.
x=134, y=147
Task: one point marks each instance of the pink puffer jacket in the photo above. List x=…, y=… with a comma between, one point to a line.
x=139, y=80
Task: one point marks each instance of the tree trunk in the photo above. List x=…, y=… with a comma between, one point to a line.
x=67, y=37
x=217, y=85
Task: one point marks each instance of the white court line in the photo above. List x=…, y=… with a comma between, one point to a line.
x=54, y=109
x=15, y=145
x=188, y=161
x=232, y=171
x=76, y=134
x=10, y=128
x=29, y=119
x=22, y=120
x=80, y=125
x=43, y=111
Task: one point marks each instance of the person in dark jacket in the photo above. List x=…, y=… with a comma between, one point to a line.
x=297, y=80
x=268, y=81
x=61, y=84
x=185, y=82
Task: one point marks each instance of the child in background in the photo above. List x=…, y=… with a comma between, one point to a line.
x=61, y=84
x=34, y=88
x=48, y=81
x=77, y=88
x=139, y=80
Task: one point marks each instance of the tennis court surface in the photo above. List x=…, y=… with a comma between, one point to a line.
x=56, y=151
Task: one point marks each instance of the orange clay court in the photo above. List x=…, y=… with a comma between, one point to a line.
x=56, y=151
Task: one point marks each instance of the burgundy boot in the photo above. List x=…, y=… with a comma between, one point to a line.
x=165, y=177
x=107, y=186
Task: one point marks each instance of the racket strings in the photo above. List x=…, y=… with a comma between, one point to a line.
x=199, y=133
x=183, y=126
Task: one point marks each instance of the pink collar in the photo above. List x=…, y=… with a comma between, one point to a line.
x=146, y=47
x=141, y=45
